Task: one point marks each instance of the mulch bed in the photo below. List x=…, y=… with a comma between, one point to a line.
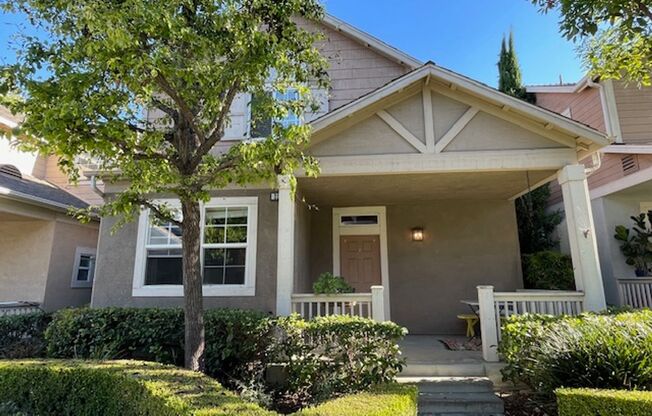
x=523, y=403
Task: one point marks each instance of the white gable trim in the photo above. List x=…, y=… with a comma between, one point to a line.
x=456, y=128
x=401, y=130
x=548, y=120
x=371, y=41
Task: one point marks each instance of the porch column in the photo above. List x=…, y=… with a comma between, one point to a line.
x=581, y=233
x=285, y=248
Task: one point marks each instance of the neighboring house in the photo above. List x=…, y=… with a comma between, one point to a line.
x=620, y=181
x=46, y=256
x=420, y=167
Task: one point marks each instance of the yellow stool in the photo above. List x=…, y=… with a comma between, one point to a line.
x=471, y=320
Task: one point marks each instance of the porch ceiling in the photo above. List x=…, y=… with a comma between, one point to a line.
x=394, y=189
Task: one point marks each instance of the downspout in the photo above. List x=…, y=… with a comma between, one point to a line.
x=94, y=186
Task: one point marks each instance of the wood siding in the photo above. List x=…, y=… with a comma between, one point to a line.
x=585, y=106
x=81, y=189
x=634, y=112
x=354, y=69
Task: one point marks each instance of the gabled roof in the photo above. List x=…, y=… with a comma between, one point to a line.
x=371, y=41
x=588, y=137
x=39, y=193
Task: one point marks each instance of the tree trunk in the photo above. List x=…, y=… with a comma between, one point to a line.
x=192, y=286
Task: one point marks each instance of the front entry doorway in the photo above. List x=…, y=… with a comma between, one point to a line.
x=360, y=248
x=360, y=261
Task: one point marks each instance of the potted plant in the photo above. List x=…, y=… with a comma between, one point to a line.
x=635, y=243
x=327, y=284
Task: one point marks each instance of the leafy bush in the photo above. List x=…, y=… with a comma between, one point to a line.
x=591, y=350
x=580, y=402
x=126, y=388
x=120, y=388
x=329, y=284
x=320, y=358
x=548, y=270
x=235, y=338
x=334, y=355
x=21, y=336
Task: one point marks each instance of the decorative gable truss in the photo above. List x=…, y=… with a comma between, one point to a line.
x=426, y=113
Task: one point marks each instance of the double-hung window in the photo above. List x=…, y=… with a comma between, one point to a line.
x=228, y=251
x=84, y=267
x=262, y=127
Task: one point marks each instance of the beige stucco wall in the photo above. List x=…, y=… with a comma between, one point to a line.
x=116, y=255
x=58, y=291
x=24, y=259
x=466, y=244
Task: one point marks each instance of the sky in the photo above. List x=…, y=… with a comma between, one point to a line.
x=461, y=35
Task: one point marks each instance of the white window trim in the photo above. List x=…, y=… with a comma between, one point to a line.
x=74, y=283
x=139, y=289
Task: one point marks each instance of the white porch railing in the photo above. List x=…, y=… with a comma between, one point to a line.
x=636, y=292
x=18, y=308
x=494, y=306
x=366, y=305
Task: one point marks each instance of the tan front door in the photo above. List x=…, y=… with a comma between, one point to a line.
x=360, y=261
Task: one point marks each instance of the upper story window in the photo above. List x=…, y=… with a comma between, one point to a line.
x=259, y=128
x=84, y=267
x=228, y=251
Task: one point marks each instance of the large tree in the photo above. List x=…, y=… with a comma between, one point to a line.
x=616, y=35
x=535, y=224
x=88, y=85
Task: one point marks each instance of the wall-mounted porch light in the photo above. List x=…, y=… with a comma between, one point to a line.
x=417, y=234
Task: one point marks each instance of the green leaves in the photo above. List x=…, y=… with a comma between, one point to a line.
x=144, y=88
x=616, y=34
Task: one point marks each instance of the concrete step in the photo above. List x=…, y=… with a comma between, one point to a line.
x=450, y=384
x=444, y=370
x=451, y=396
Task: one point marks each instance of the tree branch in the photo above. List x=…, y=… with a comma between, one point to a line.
x=186, y=112
x=217, y=129
x=174, y=114
x=157, y=212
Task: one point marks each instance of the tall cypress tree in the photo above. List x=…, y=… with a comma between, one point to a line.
x=535, y=224
x=509, y=71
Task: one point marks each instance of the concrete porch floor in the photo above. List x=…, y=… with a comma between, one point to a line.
x=426, y=356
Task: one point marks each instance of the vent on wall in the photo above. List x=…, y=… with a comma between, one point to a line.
x=629, y=164
x=11, y=170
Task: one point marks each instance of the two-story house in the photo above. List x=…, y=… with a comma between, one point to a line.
x=620, y=179
x=414, y=205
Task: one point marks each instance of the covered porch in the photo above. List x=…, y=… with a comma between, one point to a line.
x=438, y=153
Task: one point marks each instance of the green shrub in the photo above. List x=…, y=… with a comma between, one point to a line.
x=21, y=336
x=120, y=388
x=591, y=350
x=548, y=270
x=320, y=358
x=386, y=400
x=329, y=284
x=235, y=339
x=334, y=355
x=581, y=402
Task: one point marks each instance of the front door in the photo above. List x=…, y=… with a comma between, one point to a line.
x=360, y=261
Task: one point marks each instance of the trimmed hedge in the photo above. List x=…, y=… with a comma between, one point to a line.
x=120, y=388
x=235, y=338
x=581, y=402
x=314, y=360
x=591, y=350
x=125, y=388
x=21, y=336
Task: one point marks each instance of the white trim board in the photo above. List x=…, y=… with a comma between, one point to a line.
x=482, y=161
x=380, y=229
x=622, y=183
